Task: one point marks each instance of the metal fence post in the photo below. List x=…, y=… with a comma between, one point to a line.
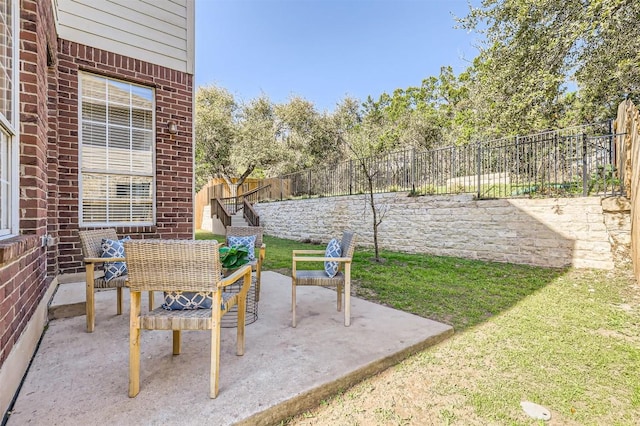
x=309, y=184
x=350, y=177
x=585, y=176
x=479, y=166
x=413, y=169
x=517, y=151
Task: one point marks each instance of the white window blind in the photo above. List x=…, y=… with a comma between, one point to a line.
x=117, y=152
x=8, y=135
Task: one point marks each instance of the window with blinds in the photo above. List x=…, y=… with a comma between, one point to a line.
x=116, y=152
x=8, y=136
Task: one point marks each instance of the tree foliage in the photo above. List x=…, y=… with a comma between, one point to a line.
x=216, y=133
x=311, y=137
x=232, y=139
x=534, y=51
x=235, y=140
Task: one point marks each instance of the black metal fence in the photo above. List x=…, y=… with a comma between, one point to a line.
x=577, y=161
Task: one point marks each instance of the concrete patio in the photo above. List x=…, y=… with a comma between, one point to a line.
x=79, y=378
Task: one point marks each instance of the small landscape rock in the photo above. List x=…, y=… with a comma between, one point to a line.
x=535, y=411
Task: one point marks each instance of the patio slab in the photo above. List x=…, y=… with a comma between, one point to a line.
x=80, y=378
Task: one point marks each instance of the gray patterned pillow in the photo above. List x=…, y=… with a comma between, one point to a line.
x=186, y=300
x=333, y=250
x=248, y=241
x=113, y=248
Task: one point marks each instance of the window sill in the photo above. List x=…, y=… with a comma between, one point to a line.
x=13, y=248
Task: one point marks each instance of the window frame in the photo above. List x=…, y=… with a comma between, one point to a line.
x=10, y=139
x=81, y=172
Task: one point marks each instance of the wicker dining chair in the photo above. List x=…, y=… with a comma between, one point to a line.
x=320, y=278
x=260, y=248
x=174, y=266
x=91, y=241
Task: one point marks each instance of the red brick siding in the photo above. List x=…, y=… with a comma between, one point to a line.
x=23, y=264
x=52, y=155
x=174, y=153
x=49, y=162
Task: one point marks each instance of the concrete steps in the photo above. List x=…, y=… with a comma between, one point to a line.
x=238, y=219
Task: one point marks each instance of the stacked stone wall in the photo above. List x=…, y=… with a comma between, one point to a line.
x=544, y=232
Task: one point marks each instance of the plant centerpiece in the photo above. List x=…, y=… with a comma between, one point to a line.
x=233, y=257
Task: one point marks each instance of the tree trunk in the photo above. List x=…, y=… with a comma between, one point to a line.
x=375, y=219
x=233, y=187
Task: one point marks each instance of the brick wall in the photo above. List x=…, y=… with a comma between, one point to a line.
x=52, y=156
x=49, y=162
x=23, y=262
x=174, y=153
x=544, y=232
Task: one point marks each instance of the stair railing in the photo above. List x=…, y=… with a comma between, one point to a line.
x=223, y=208
x=256, y=195
x=220, y=211
x=250, y=215
x=249, y=199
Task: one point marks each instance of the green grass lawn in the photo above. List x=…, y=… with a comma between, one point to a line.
x=455, y=291
x=566, y=339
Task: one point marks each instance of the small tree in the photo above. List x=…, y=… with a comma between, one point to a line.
x=364, y=138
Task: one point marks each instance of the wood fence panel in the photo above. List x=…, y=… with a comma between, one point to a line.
x=628, y=162
x=280, y=188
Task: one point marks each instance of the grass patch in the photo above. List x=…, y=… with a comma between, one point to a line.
x=459, y=292
x=573, y=346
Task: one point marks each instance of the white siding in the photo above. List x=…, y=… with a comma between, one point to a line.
x=156, y=31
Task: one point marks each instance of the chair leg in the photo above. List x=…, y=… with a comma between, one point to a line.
x=150, y=301
x=215, y=351
x=339, y=291
x=258, y=273
x=242, y=312
x=90, y=303
x=134, y=346
x=119, y=300
x=347, y=294
x=176, y=342
x=293, y=302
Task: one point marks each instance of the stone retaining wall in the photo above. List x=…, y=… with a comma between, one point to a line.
x=544, y=232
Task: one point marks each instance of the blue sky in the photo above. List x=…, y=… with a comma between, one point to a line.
x=324, y=50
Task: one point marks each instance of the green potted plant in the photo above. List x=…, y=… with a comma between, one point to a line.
x=233, y=257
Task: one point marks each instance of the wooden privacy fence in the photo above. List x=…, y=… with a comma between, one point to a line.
x=627, y=128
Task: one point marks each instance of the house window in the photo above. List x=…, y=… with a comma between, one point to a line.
x=116, y=152
x=8, y=120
